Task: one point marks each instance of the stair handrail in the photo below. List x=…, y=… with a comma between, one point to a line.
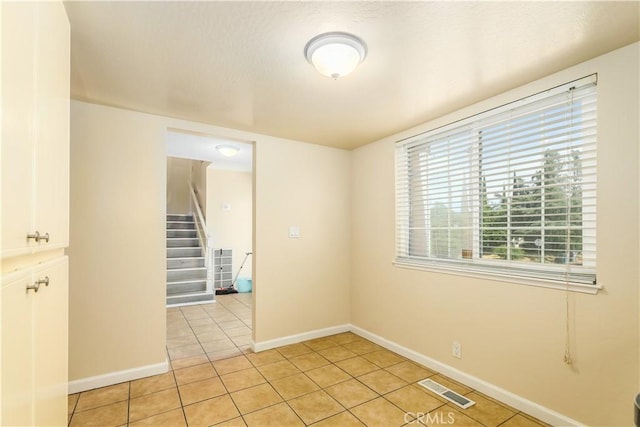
x=203, y=236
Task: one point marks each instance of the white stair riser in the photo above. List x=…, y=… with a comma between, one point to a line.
x=186, y=287
x=193, y=262
x=180, y=225
x=182, y=233
x=186, y=274
x=188, y=298
x=179, y=217
x=183, y=252
x=182, y=243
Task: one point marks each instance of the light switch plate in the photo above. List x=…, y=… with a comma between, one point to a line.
x=294, y=232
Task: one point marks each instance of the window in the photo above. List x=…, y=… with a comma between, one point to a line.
x=510, y=192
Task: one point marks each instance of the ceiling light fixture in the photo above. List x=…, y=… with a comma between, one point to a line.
x=228, y=150
x=335, y=54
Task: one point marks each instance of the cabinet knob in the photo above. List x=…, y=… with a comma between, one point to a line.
x=33, y=287
x=37, y=237
x=44, y=281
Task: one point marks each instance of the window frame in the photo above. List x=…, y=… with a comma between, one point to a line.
x=561, y=276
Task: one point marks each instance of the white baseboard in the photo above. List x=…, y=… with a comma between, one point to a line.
x=542, y=413
x=518, y=402
x=84, y=384
x=293, y=339
x=184, y=304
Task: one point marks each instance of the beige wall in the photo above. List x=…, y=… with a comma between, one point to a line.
x=512, y=336
x=231, y=229
x=178, y=174
x=117, y=253
x=199, y=182
x=301, y=284
x=340, y=269
x=117, y=241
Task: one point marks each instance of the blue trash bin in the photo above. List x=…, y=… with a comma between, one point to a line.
x=243, y=285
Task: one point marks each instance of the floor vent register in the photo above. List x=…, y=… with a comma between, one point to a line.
x=448, y=394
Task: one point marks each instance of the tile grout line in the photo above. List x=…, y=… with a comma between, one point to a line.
x=129, y=403
x=213, y=366
x=175, y=380
x=73, y=411
x=228, y=393
x=315, y=349
x=505, y=421
x=223, y=330
x=357, y=378
x=345, y=409
x=182, y=406
x=284, y=400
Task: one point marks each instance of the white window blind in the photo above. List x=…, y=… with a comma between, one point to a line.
x=509, y=192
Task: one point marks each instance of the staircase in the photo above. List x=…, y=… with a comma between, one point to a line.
x=186, y=270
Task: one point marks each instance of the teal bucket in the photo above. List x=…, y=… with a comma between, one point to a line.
x=243, y=285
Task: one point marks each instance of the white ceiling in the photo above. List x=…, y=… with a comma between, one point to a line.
x=203, y=147
x=241, y=64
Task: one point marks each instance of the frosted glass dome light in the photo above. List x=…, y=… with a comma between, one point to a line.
x=335, y=54
x=228, y=150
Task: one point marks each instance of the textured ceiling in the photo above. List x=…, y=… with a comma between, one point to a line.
x=241, y=64
x=201, y=147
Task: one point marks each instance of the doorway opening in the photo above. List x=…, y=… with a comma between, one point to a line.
x=209, y=217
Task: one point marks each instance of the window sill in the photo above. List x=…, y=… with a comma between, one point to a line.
x=541, y=283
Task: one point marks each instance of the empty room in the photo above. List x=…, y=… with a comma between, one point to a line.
x=354, y=213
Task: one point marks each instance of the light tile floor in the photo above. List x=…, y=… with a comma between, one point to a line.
x=340, y=380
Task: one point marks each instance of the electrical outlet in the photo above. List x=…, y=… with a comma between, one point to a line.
x=457, y=350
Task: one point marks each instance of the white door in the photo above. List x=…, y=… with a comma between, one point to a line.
x=50, y=367
x=52, y=123
x=18, y=116
x=17, y=350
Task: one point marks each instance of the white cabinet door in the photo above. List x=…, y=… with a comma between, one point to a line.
x=52, y=123
x=17, y=350
x=35, y=345
x=18, y=115
x=50, y=337
x=35, y=126
x=35, y=197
